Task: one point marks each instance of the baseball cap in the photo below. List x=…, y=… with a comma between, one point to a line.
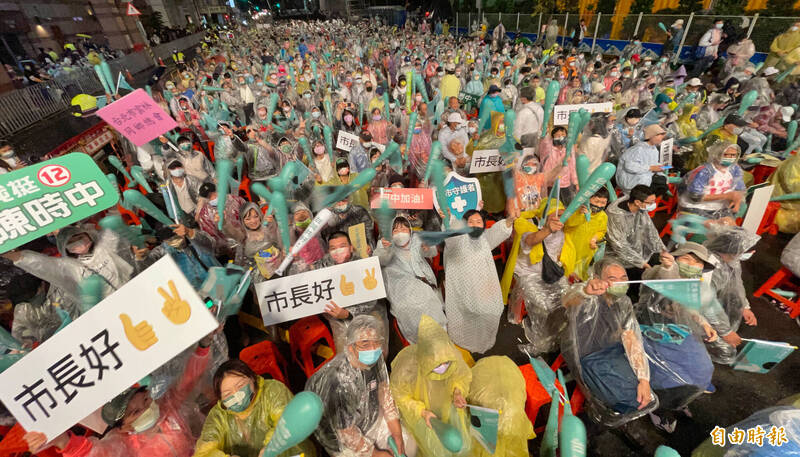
x=493, y=89
x=786, y=113
x=694, y=82
x=113, y=411
x=454, y=117
x=652, y=130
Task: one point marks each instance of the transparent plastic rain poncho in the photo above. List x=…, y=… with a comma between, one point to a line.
x=786, y=179
x=497, y=383
x=786, y=415
x=245, y=434
x=632, y=237
x=698, y=183
x=726, y=281
x=474, y=301
x=680, y=366
x=410, y=285
x=35, y=323
x=603, y=348
x=417, y=388
x=790, y=257
x=357, y=400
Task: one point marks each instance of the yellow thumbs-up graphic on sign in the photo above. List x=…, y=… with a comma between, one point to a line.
x=140, y=335
x=347, y=288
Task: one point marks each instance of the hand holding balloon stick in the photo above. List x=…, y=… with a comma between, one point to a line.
x=299, y=420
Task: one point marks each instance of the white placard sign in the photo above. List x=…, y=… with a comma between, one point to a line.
x=665, y=152
x=561, y=112
x=757, y=208
x=345, y=141
x=306, y=294
x=486, y=161
x=148, y=321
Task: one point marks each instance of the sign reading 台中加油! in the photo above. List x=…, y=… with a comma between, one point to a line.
x=561, y=112
x=306, y=294
x=138, y=328
x=138, y=117
x=402, y=198
x=41, y=198
x=486, y=161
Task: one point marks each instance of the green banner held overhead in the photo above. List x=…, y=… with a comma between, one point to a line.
x=684, y=291
x=47, y=196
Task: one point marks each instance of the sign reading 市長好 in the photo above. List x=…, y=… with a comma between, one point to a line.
x=41, y=198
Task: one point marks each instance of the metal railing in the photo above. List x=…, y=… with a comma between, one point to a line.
x=601, y=26
x=24, y=107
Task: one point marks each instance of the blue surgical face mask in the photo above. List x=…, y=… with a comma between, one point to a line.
x=213, y=202
x=369, y=357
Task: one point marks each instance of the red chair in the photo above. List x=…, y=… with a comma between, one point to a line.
x=782, y=279
x=767, y=223
x=502, y=250
x=761, y=173
x=537, y=396
x=396, y=328
x=304, y=335
x=264, y=358
x=245, y=187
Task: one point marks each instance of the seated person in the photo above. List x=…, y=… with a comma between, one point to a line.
x=359, y=414
x=603, y=342
x=243, y=421
x=716, y=189
x=680, y=367
x=585, y=235
x=431, y=380
x=729, y=246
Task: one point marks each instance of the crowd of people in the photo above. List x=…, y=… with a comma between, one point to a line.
x=421, y=102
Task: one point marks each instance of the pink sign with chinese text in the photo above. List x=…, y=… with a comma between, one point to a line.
x=403, y=198
x=138, y=117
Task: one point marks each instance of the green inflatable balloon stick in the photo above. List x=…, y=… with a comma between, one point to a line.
x=91, y=291
x=549, y=100
x=412, y=122
x=138, y=175
x=666, y=451
x=448, y=435
x=116, y=163
x=134, y=198
x=299, y=420
x=598, y=179
x=277, y=206
x=747, y=101
x=224, y=170
x=572, y=436
x=127, y=232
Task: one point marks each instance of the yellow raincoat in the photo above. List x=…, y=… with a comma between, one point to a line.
x=580, y=233
x=787, y=181
x=524, y=225
x=245, y=434
x=494, y=197
x=497, y=383
x=416, y=388
x=782, y=45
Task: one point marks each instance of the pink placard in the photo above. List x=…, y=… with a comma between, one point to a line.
x=138, y=117
x=402, y=198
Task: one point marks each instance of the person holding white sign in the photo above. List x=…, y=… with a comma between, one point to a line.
x=360, y=414
x=411, y=285
x=140, y=426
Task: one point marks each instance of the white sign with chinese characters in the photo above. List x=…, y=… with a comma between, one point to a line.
x=138, y=328
x=665, y=152
x=561, y=112
x=486, y=161
x=306, y=294
x=345, y=141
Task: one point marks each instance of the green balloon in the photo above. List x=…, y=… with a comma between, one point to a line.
x=582, y=164
x=448, y=435
x=747, y=101
x=91, y=291
x=572, y=437
x=549, y=100
x=116, y=163
x=299, y=420
x=666, y=451
x=138, y=176
x=134, y=198
x=598, y=179
x=224, y=170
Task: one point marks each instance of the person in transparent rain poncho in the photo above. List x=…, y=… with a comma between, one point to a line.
x=680, y=366
x=729, y=246
x=410, y=281
x=716, y=189
x=534, y=287
x=430, y=380
x=474, y=302
x=359, y=413
x=603, y=346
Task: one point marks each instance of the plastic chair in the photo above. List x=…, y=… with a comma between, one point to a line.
x=396, y=328
x=761, y=173
x=537, y=397
x=502, y=249
x=767, y=223
x=781, y=279
x=244, y=186
x=303, y=336
x=264, y=358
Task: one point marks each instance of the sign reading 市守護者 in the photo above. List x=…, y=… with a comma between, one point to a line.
x=306, y=294
x=138, y=328
x=49, y=195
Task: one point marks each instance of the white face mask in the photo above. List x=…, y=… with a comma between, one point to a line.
x=339, y=255
x=737, y=131
x=401, y=238
x=178, y=172
x=147, y=419
x=650, y=207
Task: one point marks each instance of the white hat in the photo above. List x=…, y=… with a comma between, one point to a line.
x=770, y=71
x=454, y=117
x=786, y=113
x=694, y=82
x=678, y=22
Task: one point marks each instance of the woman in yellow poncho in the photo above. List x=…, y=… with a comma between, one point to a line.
x=497, y=383
x=786, y=179
x=243, y=421
x=431, y=379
